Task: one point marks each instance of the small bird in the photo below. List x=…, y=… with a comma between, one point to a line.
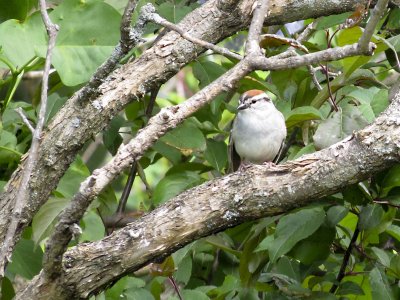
x=258, y=131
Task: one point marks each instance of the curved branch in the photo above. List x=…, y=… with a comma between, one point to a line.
x=225, y=202
x=77, y=122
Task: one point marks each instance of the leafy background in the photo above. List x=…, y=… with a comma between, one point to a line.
x=297, y=255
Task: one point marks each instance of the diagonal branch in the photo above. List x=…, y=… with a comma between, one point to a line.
x=371, y=25
x=223, y=203
x=32, y=160
x=77, y=122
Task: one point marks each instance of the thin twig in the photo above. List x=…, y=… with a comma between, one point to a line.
x=346, y=257
x=25, y=119
x=163, y=22
x=370, y=27
x=253, y=38
x=132, y=174
x=6, y=248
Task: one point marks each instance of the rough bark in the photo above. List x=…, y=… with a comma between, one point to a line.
x=77, y=122
x=223, y=203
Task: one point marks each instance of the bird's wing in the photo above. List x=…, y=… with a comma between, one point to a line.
x=234, y=158
x=278, y=156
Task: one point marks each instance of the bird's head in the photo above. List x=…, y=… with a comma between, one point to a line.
x=254, y=99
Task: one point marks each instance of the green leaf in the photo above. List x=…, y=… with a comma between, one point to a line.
x=7, y=289
x=349, y=288
x=174, y=13
x=370, y=216
x=184, y=270
x=216, y=154
x=93, y=227
x=42, y=221
x=301, y=114
x=26, y=260
x=338, y=126
x=381, y=255
x=186, y=137
x=379, y=285
x=18, y=9
x=21, y=42
x=54, y=103
x=391, y=180
x=194, y=295
x=70, y=182
x=82, y=46
x=174, y=184
x=335, y=214
x=315, y=247
x=394, y=231
x=330, y=21
x=111, y=137
x=207, y=71
x=135, y=293
x=293, y=228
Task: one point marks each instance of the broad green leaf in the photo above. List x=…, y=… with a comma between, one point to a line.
x=93, y=227
x=293, y=228
x=381, y=255
x=310, y=148
x=186, y=137
x=380, y=285
x=111, y=137
x=18, y=9
x=7, y=289
x=207, y=71
x=174, y=184
x=26, y=260
x=82, y=46
x=289, y=267
x=330, y=21
x=391, y=180
x=123, y=284
x=21, y=42
x=54, y=103
x=349, y=288
x=70, y=182
x=335, y=214
x=394, y=19
x=301, y=114
x=340, y=125
x=359, y=75
x=394, y=231
x=216, y=154
x=41, y=223
x=169, y=152
x=174, y=13
x=184, y=270
x=315, y=247
x=135, y=293
x=370, y=216
x=194, y=295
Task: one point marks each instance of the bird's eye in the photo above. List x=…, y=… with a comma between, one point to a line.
x=253, y=101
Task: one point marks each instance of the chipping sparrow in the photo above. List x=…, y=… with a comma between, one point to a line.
x=258, y=131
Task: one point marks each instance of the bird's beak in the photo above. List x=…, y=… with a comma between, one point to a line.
x=243, y=106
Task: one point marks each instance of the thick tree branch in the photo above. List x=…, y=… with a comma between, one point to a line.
x=222, y=203
x=77, y=122
x=31, y=163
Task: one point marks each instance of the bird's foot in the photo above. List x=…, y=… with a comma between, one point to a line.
x=271, y=165
x=244, y=166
